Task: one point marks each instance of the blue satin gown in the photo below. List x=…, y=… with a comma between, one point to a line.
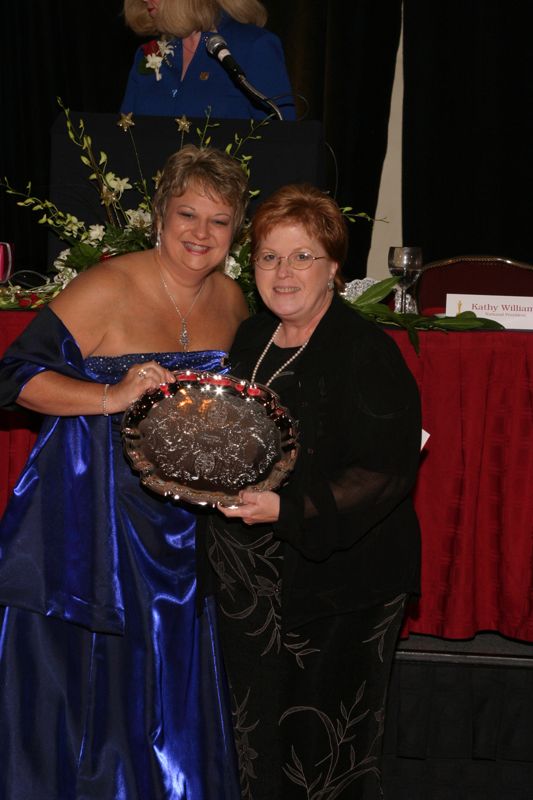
x=111, y=685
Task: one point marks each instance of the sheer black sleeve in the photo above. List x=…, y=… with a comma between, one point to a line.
x=360, y=453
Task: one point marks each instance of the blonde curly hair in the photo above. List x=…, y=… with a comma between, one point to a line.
x=179, y=18
x=208, y=170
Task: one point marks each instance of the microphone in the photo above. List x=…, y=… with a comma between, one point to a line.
x=217, y=47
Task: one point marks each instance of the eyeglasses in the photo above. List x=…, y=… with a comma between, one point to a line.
x=300, y=259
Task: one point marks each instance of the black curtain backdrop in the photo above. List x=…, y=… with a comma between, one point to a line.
x=79, y=50
x=467, y=114
x=468, y=128
x=340, y=56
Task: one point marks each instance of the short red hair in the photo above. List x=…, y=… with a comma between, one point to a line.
x=304, y=204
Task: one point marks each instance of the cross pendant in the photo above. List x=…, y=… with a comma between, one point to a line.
x=184, y=336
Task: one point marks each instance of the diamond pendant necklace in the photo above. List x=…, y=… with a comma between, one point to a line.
x=184, y=335
x=285, y=364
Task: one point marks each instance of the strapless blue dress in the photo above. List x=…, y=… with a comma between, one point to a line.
x=111, y=685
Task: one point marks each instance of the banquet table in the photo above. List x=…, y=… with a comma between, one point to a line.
x=474, y=493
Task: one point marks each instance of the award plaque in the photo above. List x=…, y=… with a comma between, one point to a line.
x=207, y=436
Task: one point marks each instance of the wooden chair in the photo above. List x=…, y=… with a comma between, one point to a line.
x=471, y=275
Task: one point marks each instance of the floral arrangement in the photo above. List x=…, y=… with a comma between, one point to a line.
x=125, y=230
x=122, y=229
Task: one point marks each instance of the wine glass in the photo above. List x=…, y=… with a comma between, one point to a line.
x=405, y=263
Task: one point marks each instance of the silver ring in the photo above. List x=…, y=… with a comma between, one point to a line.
x=142, y=373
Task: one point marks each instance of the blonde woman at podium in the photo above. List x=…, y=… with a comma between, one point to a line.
x=207, y=54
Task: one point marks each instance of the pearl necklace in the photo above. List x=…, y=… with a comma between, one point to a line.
x=285, y=364
x=184, y=335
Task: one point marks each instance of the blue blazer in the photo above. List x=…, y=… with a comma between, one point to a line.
x=206, y=84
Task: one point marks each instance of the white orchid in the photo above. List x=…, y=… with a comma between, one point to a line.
x=60, y=259
x=118, y=185
x=64, y=276
x=232, y=268
x=72, y=226
x=95, y=233
x=154, y=62
x=138, y=218
x=165, y=48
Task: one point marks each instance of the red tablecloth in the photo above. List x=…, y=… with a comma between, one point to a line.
x=18, y=429
x=474, y=495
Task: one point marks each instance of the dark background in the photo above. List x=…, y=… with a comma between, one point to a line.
x=467, y=124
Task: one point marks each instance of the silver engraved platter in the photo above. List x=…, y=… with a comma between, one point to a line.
x=207, y=436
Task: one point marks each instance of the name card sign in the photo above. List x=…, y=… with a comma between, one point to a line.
x=511, y=312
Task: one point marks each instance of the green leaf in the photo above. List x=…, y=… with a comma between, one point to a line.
x=83, y=255
x=465, y=322
x=377, y=310
x=376, y=292
x=413, y=338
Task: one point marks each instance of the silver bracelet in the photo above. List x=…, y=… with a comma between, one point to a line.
x=104, y=401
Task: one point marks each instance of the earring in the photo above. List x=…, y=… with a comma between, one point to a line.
x=331, y=284
x=158, y=239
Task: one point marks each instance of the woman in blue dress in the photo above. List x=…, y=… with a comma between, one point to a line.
x=110, y=683
x=175, y=75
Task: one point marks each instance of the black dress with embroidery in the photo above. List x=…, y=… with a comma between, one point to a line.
x=311, y=606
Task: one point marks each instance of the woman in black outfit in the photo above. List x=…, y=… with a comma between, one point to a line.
x=313, y=579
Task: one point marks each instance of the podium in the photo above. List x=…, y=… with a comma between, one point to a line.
x=281, y=153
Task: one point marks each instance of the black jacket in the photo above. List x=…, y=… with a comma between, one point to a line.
x=350, y=531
